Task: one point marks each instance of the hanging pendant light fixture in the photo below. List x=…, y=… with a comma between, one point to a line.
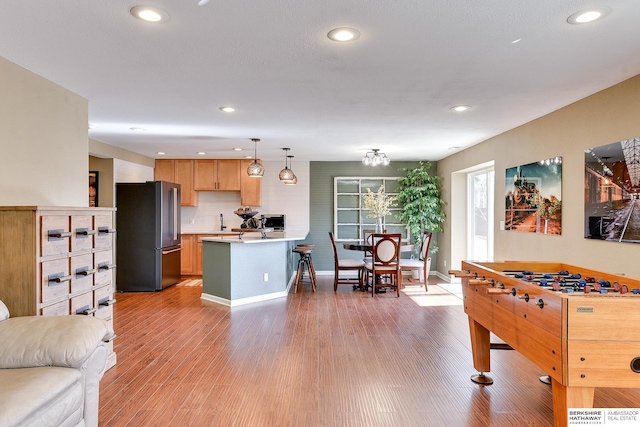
x=255, y=169
x=375, y=158
x=294, y=180
x=286, y=174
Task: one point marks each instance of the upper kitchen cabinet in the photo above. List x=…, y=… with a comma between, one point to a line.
x=217, y=175
x=251, y=187
x=181, y=172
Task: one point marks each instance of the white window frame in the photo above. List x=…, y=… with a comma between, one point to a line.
x=471, y=212
x=362, y=223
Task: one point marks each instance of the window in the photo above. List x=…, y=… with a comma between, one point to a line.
x=350, y=218
x=480, y=215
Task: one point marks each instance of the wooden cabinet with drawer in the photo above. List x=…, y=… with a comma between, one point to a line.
x=58, y=261
x=217, y=175
x=181, y=172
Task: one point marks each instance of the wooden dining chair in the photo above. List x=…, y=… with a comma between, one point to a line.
x=367, y=239
x=346, y=265
x=423, y=261
x=385, y=262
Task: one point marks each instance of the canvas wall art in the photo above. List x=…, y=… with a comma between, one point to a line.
x=533, y=201
x=612, y=192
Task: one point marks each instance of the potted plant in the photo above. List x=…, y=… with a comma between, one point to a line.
x=422, y=207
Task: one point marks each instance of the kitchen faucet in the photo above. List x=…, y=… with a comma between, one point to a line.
x=222, y=226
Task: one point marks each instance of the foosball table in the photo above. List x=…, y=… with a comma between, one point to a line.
x=580, y=326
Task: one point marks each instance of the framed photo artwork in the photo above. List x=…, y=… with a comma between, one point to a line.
x=533, y=199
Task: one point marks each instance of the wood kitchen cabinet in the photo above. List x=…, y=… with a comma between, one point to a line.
x=217, y=175
x=187, y=266
x=250, y=188
x=58, y=261
x=192, y=253
x=181, y=172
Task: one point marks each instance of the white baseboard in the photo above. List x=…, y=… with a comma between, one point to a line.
x=249, y=300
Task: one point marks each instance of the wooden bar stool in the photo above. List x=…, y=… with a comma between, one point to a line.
x=305, y=250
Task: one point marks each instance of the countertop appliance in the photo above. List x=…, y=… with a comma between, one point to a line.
x=148, y=239
x=275, y=221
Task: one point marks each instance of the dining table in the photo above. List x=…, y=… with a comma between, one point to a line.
x=365, y=247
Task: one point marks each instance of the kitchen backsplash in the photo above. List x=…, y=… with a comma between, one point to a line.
x=277, y=198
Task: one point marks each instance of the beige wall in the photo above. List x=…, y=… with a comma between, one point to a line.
x=43, y=140
x=603, y=118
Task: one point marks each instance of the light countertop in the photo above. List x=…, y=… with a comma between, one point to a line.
x=232, y=233
x=257, y=238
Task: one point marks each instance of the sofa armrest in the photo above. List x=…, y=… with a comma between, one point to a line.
x=65, y=341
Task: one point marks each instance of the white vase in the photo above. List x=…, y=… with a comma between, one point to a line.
x=379, y=228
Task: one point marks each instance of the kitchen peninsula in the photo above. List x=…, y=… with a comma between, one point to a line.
x=242, y=271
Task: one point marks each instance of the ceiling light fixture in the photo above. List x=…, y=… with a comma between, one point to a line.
x=227, y=109
x=460, y=108
x=375, y=158
x=201, y=153
x=255, y=169
x=138, y=129
x=286, y=174
x=588, y=15
x=237, y=149
x=161, y=153
x=343, y=34
x=294, y=180
x=150, y=14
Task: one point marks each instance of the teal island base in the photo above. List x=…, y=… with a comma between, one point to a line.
x=237, y=272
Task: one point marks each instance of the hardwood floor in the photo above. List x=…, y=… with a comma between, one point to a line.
x=315, y=359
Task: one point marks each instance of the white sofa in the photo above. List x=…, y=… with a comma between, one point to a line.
x=50, y=369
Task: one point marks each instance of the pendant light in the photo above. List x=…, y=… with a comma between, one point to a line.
x=294, y=180
x=255, y=169
x=286, y=174
x=375, y=158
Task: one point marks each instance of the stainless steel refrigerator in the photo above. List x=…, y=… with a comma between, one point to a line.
x=148, y=235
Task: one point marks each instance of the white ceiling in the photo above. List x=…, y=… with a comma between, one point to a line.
x=391, y=89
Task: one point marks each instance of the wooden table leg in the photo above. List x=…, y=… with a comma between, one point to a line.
x=568, y=397
x=480, y=346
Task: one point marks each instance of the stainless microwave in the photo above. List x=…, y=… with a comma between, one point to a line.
x=275, y=221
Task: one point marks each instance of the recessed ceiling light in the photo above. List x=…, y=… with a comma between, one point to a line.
x=248, y=157
x=149, y=14
x=237, y=149
x=588, y=15
x=516, y=41
x=343, y=34
x=201, y=153
x=227, y=109
x=162, y=153
x=138, y=129
x=460, y=108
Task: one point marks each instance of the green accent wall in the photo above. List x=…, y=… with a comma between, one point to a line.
x=321, y=204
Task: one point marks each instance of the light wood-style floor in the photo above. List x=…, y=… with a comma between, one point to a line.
x=315, y=359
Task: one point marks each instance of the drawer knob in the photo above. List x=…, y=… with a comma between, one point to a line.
x=85, y=272
x=106, y=266
x=107, y=303
x=59, y=279
x=59, y=234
